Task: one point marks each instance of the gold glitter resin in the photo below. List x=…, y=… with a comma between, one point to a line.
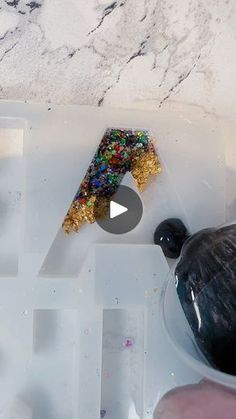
x=144, y=165
x=80, y=214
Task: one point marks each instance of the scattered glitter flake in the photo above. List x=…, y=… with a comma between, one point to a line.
x=89, y=203
x=103, y=413
x=128, y=343
x=149, y=412
x=120, y=151
x=149, y=293
x=106, y=374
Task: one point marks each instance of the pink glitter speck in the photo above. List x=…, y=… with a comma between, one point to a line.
x=128, y=343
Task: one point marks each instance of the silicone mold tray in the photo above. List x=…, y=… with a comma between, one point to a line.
x=80, y=332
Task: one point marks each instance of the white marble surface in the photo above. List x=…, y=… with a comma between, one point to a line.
x=128, y=53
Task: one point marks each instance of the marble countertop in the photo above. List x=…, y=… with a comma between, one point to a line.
x=140, y=54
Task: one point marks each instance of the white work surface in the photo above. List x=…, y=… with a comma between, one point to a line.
x=69, y=304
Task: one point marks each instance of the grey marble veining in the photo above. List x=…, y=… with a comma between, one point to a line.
x=127, y=53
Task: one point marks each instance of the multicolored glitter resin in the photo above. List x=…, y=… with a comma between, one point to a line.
x=120, y=151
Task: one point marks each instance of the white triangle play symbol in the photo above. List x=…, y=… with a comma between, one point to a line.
x=116, y=209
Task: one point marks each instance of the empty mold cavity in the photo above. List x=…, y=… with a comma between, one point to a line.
x=64, y=257
x=50, y=387
x=122, y=364
x=16, y=344
x=53, y=330
x=88, y=362
x=37, y=360
x=11, y=188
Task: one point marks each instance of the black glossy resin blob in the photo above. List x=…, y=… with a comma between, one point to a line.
x=171, y=234
x=206, y=286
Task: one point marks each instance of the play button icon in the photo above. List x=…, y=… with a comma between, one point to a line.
x=116, y=209
x=124, y=212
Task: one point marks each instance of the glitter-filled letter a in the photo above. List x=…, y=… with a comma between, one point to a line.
x=120, y=151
